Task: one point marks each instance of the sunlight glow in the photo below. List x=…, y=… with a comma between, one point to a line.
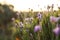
x=33, y=4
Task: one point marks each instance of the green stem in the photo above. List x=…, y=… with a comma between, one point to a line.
x=38, y=35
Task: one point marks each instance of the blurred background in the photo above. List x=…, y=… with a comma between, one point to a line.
x=29, y=19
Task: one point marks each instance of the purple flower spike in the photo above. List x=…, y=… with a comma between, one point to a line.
x=37, y=28
x=53, y=19
x=56, y=30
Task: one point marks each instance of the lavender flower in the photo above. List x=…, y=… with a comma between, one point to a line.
x=57, y=30
x=54, y=19
x=39, y=15
x=37, y=28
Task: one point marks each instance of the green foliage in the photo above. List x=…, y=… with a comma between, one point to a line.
x=6, y=14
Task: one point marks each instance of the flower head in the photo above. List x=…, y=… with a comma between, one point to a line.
x=54, y=19
x=13, y=19
x=21, y=24
x=37, y=28
x=57, y=30
x=39, y=15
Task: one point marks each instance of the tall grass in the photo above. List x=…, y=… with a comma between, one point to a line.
x=27, y=33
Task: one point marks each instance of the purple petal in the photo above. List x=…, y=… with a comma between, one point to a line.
x=39, y=16
x=56, y=30
x=53, y=19
x=37, y=28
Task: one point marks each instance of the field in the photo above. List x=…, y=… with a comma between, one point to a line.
x=29, y=25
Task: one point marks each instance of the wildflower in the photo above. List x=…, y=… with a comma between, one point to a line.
x=37, y=28
x=39, y=15
x=21, y=24
x=54, y=19
x=26, y=19
x=13, y=19
x=56, y=30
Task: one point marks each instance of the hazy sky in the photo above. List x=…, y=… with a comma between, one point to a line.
x=33, y=4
